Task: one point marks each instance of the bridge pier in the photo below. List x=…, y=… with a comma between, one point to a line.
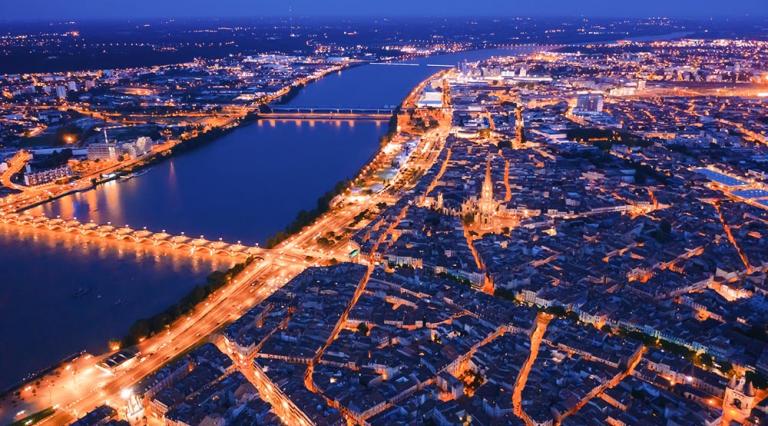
x=328, y=113
x=129, y=236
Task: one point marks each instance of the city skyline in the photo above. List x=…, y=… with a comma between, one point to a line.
x=36, y=10
x=366, y=221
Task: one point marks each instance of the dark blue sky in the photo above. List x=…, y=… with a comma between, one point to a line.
x=79, y=9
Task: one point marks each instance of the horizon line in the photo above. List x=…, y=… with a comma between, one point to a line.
x=698, y=18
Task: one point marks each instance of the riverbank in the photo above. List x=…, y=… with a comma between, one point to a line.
x=235, y=188
x=208, y=170
x=183, y=145
x=152, y=160
x=147, y=327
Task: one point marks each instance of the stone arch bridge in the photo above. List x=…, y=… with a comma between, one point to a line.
x=140, y=237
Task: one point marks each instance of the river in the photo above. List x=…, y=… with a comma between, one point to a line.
x=59, y=296
x=251, y=183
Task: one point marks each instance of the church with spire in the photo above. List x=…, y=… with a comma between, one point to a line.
x=486, y=205
x=482, y=213
x=739, y=399
x=488, y=214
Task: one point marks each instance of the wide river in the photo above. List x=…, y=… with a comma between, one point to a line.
x=59, y=295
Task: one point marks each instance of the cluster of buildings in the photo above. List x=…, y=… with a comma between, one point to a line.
x=168, y=94
x=43, y=177
x=199, y=388
x=588, y=247
x=631, y=206
x=280, y=337
x=417, y=347
x=113, y=151
x=103, y=415
x=121, y=114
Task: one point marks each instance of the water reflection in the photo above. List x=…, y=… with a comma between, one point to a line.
x=113, y=202
x=245, y=186
x=105, y=248
x=62, y=293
